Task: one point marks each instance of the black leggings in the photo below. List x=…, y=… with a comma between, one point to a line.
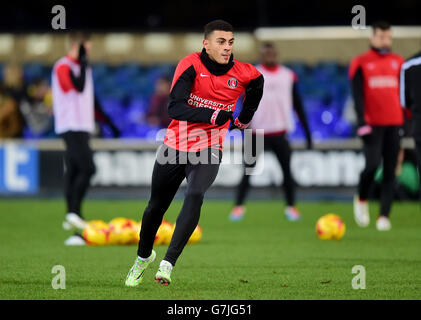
x=80, y=168
x=279, y=145
x=166, y=179
x=383, y=142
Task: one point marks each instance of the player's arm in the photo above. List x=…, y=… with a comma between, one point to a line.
x=357, y=92
x=253, y=95
x=357, y=87
x=405, y=96
x=68, y=80
x=404, y=88
x=103, y=118
x=79, y=81
x=178, y=107
x=299, y=109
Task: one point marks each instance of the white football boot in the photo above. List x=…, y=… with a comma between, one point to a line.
x=383, y=223
x=163, y=276
x=361, y=213
x=75, y=240
x=74, y=221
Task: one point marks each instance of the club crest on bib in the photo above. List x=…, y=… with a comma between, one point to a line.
x=232, y=83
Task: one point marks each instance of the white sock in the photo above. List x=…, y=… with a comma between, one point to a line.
x=73, y=213
x=144, y=259
x=166, y=263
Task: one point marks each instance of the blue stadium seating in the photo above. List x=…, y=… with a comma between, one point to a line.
x=124, y=91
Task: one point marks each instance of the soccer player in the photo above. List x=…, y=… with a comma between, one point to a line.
x=275, y=116
x=410, y=95
x=204, y=91
x=374, y=77
x=75, y=108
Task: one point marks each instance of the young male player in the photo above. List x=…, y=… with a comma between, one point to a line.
x=203, y=95
x=275, y=116
x=75, y=108
x=375, y=86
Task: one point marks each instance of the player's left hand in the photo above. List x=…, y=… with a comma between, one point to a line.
x=116, y=132
x=364, y=130
x=236, y=124
x=83, y=59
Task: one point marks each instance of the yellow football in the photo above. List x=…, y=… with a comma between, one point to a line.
x=164, y=233
x=123, y=231
x=330, y=227
x=196, y=235
x=96, y=233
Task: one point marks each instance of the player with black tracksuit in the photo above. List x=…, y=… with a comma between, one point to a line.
x=410, y=94
x=204, y=91
x=374, y=78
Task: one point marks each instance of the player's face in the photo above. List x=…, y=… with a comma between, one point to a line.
x=219, y=45
x=269, y=56
x=162, y=87
x=382, y=39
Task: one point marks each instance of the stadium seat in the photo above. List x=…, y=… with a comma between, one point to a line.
x=124, y=91
x=34, y=70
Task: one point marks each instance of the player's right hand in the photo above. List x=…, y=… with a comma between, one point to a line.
x=223, y=117
x=364, y=130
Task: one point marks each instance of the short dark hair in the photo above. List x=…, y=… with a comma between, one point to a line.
x=165, y=78
x=268, y=45
x=39, y=80
x=217, y=25
x=382, y=25
x=78, y=36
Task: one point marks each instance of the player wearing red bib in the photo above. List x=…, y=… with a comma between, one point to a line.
x=275, y=116
x=203, y=96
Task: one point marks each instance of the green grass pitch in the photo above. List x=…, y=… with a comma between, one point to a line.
x=262, y=257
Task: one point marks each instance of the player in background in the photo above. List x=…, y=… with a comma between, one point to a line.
x=75, y=108
x=374, y=79
x=204, y=91
x=275, y=116
x=410, y=95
